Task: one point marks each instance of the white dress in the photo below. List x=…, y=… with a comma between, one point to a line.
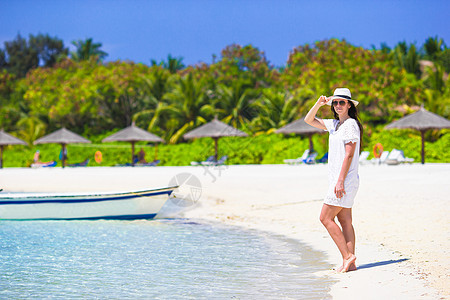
x=347, y=132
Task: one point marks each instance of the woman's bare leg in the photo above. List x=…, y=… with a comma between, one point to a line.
x=345, y=219
x=327, y=217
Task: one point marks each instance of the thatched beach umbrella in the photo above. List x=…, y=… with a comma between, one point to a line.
x=422, y=120
x=5, y=140
x=214, y=129
x=301, y=127
x=133, y=134
x=62, y=136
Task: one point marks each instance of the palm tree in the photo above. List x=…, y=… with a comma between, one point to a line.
x=154, y=88
x=434, y=78
x=433, y=47
x=173, y=64
x=31, y=128
x=276, y=109
x=385, y=48
x=412, y=61
x=234, y=102
x=87, y=49
x=407, y=58
x=436, y=99
x=188, y=106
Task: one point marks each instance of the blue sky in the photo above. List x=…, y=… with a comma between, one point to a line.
x=143, y=30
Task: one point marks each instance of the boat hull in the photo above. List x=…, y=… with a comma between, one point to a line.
x=117, y=206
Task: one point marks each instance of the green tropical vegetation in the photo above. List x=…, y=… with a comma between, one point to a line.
x=44, y=87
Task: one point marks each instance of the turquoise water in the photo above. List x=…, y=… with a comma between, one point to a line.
x=162, y=259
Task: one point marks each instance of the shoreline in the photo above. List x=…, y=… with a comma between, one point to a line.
x=397, y=232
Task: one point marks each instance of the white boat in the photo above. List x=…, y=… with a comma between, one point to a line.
x=84, y=206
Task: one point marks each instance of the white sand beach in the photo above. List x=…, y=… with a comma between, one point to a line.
x=400, y=214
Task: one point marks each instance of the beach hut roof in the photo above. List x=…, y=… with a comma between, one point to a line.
x=62, y=136
x=133, y=134
x=214, y=129
x=7, y=139
x=421, y=120
x=299, y=126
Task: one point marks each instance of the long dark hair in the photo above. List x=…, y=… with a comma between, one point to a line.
x=352, y=113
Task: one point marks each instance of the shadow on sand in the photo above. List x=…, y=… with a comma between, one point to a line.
x=381, y=263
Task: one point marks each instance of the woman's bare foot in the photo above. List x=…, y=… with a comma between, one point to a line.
x=352, y=267
x=347, y=263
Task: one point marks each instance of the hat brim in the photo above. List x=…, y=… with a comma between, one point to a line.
x=337, y=97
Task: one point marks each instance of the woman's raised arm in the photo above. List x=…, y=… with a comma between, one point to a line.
x=311, y=118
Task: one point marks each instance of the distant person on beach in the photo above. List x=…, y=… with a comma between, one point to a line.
x=63, y=153
x=345, y=135
x=141, y=156
x=36, y=157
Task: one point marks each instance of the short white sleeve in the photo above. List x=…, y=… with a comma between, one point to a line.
x=329, y=124
x=350, y=131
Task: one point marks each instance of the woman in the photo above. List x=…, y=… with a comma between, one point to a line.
x=343, y=159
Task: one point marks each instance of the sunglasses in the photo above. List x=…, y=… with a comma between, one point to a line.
x=341, y=103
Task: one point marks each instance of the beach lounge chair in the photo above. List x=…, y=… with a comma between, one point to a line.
x=221, y=161
x=311, y=159
x=298, y=160
x=155, y=163
x=323, y=160
x=198, y=163
x=397, y=157
x=363, y=157
x=149, y=164
x=80, y=164
x=381, y=159
x=403, y=158
x=48, y=164
x=394, y=157
x=39, y=164
x=409, y=160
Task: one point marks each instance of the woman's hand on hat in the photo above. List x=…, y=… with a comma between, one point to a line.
x=322, y=100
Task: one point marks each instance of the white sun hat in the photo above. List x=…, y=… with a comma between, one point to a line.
x=342, y=93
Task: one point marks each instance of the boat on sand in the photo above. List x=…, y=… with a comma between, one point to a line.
x=84, y=206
